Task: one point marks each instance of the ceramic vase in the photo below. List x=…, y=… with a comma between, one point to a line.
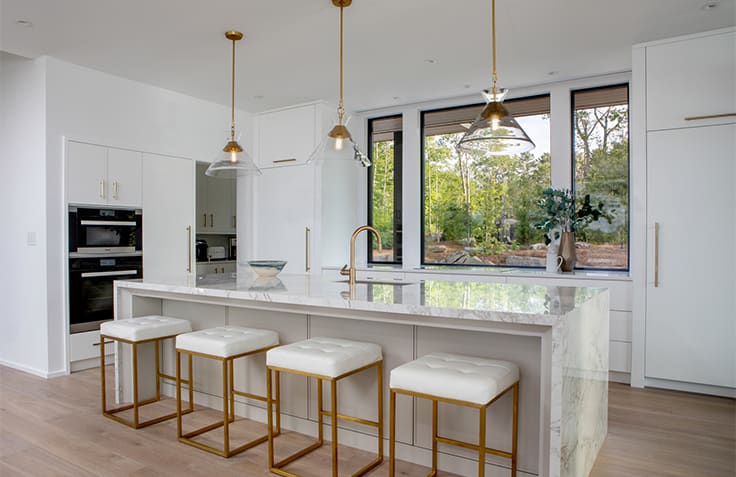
x=567, y=251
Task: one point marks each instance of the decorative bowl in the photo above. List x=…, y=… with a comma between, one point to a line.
x=267, y=268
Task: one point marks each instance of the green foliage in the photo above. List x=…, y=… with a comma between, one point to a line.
x=559, y=213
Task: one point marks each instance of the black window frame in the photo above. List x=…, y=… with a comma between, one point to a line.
x=398, y=189
x=422, y=141
x=573, y=164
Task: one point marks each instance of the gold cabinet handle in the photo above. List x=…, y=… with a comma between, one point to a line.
x=189, y=249
x=205, y=219
x=234, y=224
x=307, y=232
x=102, y=189
x=709, y=116
x=115, y=189
x=281, y=161
x=656, y=254
x=212, y=220
x=106, y=342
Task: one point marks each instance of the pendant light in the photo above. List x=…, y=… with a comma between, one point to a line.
x=233, y=161
x=339, y=144
x=495, y=131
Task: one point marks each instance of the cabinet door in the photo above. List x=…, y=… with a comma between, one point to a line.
x=201, y=209
x=124, y=177
x=220, y=205
x=691, y=78
x=86, y=174
x=168, y=208
x=287, y=137
x=690, y=312
x=284, y=208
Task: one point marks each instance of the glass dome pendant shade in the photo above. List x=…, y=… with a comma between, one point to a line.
x=495, y=131
x=233, y=161
x=339, y=145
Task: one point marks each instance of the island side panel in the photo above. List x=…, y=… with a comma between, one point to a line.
x=584, y=410
x=462, y=423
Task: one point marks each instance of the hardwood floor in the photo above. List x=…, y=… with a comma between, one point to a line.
x=53, y=427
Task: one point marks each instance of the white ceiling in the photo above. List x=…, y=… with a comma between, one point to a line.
x=289, y=54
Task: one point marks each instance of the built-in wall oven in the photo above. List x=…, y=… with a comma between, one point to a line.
x=104, y=245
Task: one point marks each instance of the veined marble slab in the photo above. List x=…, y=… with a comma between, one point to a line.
x=571, y=322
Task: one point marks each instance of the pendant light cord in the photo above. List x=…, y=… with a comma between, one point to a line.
x=494, y=77
x=340, y=105
x=232, y=98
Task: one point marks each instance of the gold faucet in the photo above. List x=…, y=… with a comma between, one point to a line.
x=350, y=272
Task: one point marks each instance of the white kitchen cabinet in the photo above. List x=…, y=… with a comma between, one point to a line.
x=691, y=77
x=284, y=209
x=168, y=217
x=216, y=209
x=691, y=289
x=99, y=175
x=683, y=226
x=84, y=350
x=287, y=137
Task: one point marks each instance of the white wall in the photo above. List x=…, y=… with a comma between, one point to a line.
x=95, y=107
x=22, y=192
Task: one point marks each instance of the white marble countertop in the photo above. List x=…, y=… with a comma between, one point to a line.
x=500, y=302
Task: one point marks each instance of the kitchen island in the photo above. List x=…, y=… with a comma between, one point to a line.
x=557, y=335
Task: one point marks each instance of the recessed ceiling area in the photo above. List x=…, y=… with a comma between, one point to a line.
x=395, y=51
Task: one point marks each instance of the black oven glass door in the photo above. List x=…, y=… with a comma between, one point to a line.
x=104, y=230
x=91, y=288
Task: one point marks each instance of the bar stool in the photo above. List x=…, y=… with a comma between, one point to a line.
x=325, y=359
x=135, y=332
x=461, y=380
x=224, y=344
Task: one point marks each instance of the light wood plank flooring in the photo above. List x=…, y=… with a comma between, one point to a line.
x=53, y=427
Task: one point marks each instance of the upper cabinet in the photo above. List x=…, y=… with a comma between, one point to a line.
x=98, y=175
x=690, y=83
x=216, y=199
x=287, y=137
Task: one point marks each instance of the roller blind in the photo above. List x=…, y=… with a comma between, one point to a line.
x=601, y=97
x=456, y=120
x=383, y=129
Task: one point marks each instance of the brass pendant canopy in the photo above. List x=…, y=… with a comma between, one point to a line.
x=495, y=131
x=233, y=161
x=339, y=144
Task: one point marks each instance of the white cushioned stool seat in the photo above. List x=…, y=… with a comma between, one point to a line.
x=226, y=341
x=330, y=357
x=454, y=376
x=145, y=328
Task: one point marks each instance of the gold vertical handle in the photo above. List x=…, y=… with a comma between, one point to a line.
x=212, y=220
x=656, y=254
x=307, y=232
x=189, y=249
x=102, y=188
x=234, y=223
x=115, y=189
x=205, y=219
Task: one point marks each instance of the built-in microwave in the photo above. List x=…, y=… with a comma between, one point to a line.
x=105, y=231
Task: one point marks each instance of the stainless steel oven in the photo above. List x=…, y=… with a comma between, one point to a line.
x=105, y=231
x=91, y=288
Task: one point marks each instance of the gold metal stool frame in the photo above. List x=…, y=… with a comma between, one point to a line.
x=137, y=404
x=228, y=404
x=277, y=467
x=436, y=438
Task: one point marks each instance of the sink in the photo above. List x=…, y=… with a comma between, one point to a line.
x=378, y=282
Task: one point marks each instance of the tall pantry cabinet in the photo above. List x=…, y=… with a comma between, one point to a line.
x=689, y=147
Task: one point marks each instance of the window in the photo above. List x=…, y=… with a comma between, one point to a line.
x=601, y=161
x=384, y=188
x=478, y=208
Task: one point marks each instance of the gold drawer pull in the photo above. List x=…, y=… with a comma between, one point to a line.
x=710, y=116
x=280, y=161
x=106, y=342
